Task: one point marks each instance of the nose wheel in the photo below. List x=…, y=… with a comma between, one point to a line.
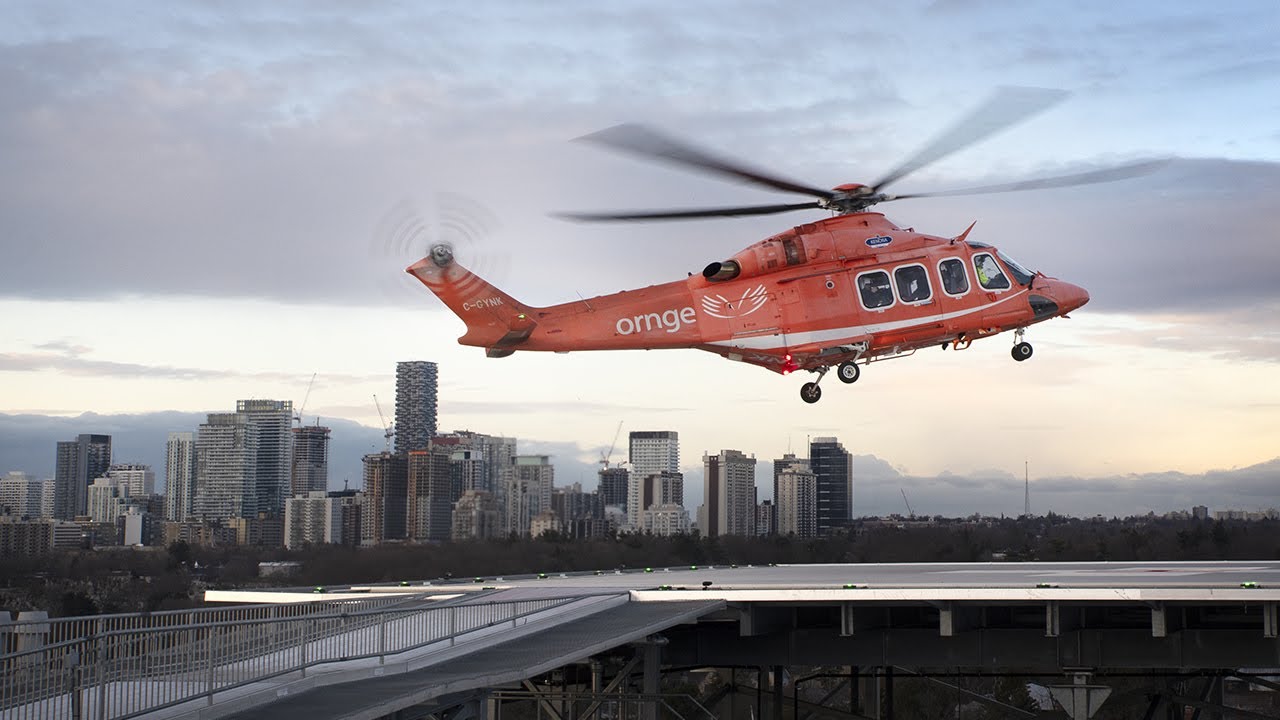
x=1021, y=349
x=810, y=392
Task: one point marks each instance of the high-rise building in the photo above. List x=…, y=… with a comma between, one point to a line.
x=226, y=484
x=664, y=488
x=140, y=480
x=79, y=463
x=430, y=494
x=649, y=452
x=475, y=516
x=832, y=465
x=48, y=494
x=729, y=494
x=613, y=486
x=479, y=460
x=313, y=519
x=416, y=386
x=21, y=496
x=570, y=503
x=179, y=475
x=529, y=483
x=544, y=522
x=766, y=518
x=779, y=465
x=797, y=502
x=665, y=519
x=273, y=421
x=310, y=466
x=105, y=500
x=350, y=509
x=386, y=490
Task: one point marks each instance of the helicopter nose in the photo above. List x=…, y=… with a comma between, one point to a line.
x=1056, y=298
x=1070, y=297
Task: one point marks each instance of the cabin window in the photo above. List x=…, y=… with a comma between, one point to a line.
x=913, y=283
x=955, y=281
x=990, y=276
x=874, y=289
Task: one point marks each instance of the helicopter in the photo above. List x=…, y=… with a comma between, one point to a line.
x=838, y=292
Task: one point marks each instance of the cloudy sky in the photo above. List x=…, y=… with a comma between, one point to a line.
x=199, y=203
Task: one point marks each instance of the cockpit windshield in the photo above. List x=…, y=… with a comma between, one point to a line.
x=1021, y=274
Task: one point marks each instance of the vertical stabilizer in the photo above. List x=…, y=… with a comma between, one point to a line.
x=495, y=320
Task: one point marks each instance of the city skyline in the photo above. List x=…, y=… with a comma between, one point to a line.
x=290, y=139
x=879, y=482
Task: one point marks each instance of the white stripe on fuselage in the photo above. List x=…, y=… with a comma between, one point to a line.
x=776, y=342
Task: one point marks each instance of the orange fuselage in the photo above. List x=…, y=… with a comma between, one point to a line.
x=845, y=288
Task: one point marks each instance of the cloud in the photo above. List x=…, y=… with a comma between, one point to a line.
x=69, y=359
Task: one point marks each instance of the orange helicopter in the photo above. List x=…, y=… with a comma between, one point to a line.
x=843, y=291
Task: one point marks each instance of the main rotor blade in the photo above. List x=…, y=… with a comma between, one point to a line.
x=1111, y=174
x=1009, y=106
x=644, y=141
x=690, y=214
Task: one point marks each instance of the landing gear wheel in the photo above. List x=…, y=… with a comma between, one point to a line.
x=848, y=372
x=810, y=392
x=1021, y=351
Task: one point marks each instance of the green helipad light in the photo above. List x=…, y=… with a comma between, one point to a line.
x=648, y=569
x=319, y=589
x=542, y=576
x=1249, y=584
x=850, y=586
x=693, y=567
x=479, y=579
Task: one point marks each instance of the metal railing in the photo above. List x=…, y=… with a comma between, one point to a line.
x=604, y=705
x=127, y=672
x=51, y=631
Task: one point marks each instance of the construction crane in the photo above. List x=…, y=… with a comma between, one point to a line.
x=605, y=457
x=910, y=513
x=389, y=431
x=298, y=418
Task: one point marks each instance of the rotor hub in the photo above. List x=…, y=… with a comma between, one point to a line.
x=441, y=255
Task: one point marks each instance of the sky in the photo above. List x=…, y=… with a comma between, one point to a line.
x=199, y=203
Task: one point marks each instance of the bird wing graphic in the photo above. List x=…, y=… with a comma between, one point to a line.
x=752, y=300
x=717, y=306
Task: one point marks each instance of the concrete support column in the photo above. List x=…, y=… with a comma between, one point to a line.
x=776, y=711
x=760, y=673
x=854, y=700
x=733, y=693
x=869, y=690
x=888, y=692
x=651, y=682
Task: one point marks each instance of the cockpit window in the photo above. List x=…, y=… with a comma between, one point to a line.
x=990, y=276
x=955, y=281
x=874, y=289
x=1021, y=274
x=913, y=283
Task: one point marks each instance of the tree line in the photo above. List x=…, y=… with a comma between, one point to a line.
x=125, y=580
